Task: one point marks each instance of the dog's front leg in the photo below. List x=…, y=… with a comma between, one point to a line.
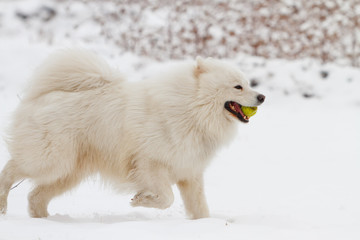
x=192, y=193
x=154, y=186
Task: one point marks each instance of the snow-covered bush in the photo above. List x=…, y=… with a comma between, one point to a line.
x=328, y=30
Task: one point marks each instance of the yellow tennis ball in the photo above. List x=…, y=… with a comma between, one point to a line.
x=249, y=111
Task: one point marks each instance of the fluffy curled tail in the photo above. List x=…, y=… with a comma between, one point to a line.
x=71, y=70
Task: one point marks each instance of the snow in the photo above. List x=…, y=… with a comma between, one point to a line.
x=291, y=173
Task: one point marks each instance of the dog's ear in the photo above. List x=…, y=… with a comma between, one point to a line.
x=200, y=66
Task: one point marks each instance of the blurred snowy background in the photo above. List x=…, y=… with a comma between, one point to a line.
x=292, y=173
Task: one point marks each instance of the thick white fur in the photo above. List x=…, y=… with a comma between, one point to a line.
x=80, y=117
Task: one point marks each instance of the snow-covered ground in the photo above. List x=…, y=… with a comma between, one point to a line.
x=293, y=172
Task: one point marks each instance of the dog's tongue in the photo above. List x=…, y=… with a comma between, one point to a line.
x=237, y=108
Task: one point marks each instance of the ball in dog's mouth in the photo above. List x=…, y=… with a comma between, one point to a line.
x=243, y=113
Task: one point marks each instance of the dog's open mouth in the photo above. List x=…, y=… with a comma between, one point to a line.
x=235, y=109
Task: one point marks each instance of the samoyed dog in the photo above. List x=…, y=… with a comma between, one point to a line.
x=79, y=117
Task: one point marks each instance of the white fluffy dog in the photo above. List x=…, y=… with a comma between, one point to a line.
x=80, y=117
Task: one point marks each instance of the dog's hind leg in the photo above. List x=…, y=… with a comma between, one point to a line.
x=42, y=194
x=9, y=175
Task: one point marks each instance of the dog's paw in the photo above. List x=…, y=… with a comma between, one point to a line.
x=37, y=212
x=2, y=210
x=151, y=200
x=144, y=199
x=3, y=205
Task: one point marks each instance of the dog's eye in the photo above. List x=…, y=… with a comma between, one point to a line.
x=238, y=87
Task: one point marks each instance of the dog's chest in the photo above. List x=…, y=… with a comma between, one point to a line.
x=192, y=155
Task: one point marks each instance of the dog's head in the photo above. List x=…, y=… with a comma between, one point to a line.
x=225, y=88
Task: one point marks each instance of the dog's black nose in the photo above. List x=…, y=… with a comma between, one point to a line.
x=261, y=98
